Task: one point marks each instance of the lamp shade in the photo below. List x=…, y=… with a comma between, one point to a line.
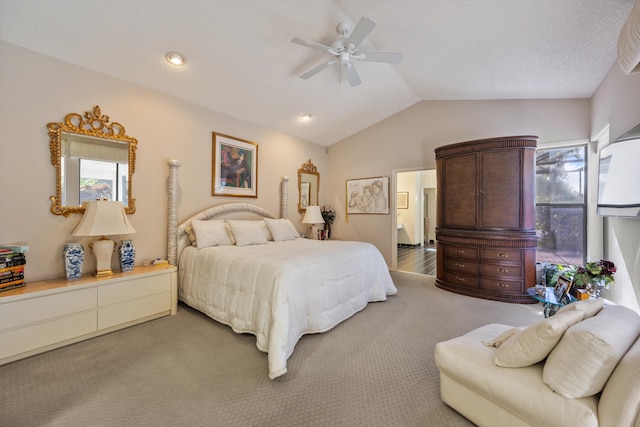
x=103, y=218
x=313, y=215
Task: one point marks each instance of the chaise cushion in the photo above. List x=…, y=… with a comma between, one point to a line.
x=534, y=343
x=520, y=392
x=620, y=400
x=589, y=351
x=590, y=307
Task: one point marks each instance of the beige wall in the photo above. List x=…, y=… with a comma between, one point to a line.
x=617, y=102
x=36, y=89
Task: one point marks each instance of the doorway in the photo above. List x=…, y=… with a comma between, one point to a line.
x=415, y=249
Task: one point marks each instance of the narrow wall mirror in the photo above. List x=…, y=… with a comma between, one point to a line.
x=308, y=185
x=93, y=159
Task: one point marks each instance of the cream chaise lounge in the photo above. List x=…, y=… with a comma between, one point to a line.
x=580, y=367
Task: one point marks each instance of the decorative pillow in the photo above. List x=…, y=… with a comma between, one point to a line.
x=280, y=229
x=590, y=307
x=210, y=233
x=293, y=228
x=587, y=354
x=536, y=341
x=502, y=338
x=192, y=236
x=246, y=233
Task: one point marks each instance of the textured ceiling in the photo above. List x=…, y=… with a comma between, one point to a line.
x=241, y=61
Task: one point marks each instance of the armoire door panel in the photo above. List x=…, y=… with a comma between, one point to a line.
x=500, y=189
x=460, y=191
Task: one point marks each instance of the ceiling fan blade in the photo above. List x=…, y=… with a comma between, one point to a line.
x=315, y=70
x=308, y=43
x=360, y=32
x=389, y=57
x=352, y=75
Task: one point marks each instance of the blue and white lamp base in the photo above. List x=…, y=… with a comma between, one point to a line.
x=73, y=260
x=127, y=255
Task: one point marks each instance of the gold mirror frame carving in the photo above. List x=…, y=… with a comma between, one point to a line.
x=308, y=168
x=93, y=124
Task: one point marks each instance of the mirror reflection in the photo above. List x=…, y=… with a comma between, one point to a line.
x=308, y=186
x=94, y=159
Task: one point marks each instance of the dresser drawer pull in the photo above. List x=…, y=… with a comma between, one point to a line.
x=502, y=270
x=458, y=251
x=459, y=265
x=501, y=285
x=501, y=255
x=460, y=279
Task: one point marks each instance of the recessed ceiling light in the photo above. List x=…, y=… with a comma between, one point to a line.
x=305, y=117
x=175, y=58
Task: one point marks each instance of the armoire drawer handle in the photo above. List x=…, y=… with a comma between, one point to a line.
x=502, y=256
x=502, y=270
x=459, y=265
x=460, y=279
x=458, y=251
x=501, y=285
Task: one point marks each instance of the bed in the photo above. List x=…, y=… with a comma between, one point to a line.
x=246, y=268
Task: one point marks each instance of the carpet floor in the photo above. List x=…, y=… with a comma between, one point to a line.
x=374, y=369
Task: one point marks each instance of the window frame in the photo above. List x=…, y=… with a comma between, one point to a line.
x=583, y=205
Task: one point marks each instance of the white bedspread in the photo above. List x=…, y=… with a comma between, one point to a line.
x=283, y=290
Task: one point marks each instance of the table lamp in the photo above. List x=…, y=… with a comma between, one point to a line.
x=313, y=216
x=103, y=218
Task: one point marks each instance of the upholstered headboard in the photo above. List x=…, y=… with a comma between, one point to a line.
x=177, y=238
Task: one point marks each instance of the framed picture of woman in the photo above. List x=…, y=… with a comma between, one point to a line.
x=234, y=168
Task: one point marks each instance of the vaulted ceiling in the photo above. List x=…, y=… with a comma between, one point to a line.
x=241, y=62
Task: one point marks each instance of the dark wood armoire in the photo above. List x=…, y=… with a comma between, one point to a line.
x=485, y=224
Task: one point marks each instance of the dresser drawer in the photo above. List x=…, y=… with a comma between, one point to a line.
x=501, y=270
x=133, y=289
x=461, y=279
x=507, y=255
x=461, y=252
x=40, y=309
x=139, y=308
x=461, y=266
x=498, y=285
x=44, y=334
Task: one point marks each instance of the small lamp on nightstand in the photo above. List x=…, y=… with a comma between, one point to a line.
x=103, y=218
x=313, y=216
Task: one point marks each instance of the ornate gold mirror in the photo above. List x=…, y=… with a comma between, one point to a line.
x=94, y=159
x=308, y=184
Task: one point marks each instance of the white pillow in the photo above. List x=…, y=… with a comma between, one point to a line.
x=587, y=354
x=280, y=229
x=589, y=307
x=293, y=228
x=265, y=231
x=536, y=341
x=210, y=233
x=246, y=233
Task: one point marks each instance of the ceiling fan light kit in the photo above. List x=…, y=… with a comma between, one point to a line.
x=346, y=48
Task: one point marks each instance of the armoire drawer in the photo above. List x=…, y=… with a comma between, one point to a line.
x=503, y=255
x=461, y=266
x=461, y=279
x=461, y=252
x=501, y=270
x=498, y=285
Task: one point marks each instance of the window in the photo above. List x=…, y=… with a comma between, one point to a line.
x=561, y=209
x=103, y=180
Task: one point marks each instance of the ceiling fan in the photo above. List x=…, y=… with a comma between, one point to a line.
x=346, y=48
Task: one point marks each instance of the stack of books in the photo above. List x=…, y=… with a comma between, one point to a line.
x=12, y=264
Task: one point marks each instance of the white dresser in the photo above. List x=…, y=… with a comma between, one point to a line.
x=49, y=314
